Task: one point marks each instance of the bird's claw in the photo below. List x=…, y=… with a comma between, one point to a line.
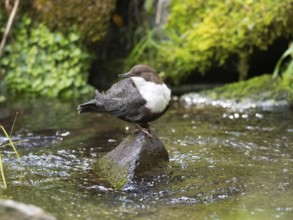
x=147, y=131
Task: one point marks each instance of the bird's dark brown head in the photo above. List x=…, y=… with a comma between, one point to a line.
x=144, y=71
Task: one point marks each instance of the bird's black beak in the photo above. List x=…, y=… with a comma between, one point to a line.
x=124, y=75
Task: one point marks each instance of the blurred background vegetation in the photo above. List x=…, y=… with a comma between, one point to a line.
x=203, y=34
x=58, y=48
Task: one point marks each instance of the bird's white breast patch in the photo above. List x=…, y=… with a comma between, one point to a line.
x=157, y=96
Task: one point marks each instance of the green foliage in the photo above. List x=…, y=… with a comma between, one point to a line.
x=285, y=67
x=92, y=18
x=145, y=47
x=38, y=62
x=201, y=34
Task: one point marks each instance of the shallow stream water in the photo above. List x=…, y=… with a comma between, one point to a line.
x=224, y=164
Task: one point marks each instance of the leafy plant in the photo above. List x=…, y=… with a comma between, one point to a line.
x=12, y=144
x=145, y=46
x=38, y=62
x=284, y=66
x=201, y=34
x=264, y=87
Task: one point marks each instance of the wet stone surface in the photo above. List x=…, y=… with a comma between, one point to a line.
x=225, y=163
x=10, y=210
x=137, y=154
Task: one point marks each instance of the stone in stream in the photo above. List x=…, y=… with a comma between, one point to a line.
x=12, y=210
x=135, y=155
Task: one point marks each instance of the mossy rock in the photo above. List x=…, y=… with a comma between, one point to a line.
x=258, y=88
x=134, y=156
x=91, y=17
x=260, y=91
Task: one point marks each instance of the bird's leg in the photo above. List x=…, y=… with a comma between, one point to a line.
x=145, y=129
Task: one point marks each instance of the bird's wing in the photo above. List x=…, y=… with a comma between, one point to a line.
x=129, y=108
x=121, y=89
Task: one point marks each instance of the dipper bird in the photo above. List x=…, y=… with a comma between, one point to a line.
x=140, y=98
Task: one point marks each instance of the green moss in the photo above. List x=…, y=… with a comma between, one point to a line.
x=201, y=34
x=92, y=18
x=258, y=88
x=112, y=172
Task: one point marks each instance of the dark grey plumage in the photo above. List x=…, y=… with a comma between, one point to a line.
x=125, y=101
x=121, y=100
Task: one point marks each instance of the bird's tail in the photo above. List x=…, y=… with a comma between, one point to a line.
x=90, y=106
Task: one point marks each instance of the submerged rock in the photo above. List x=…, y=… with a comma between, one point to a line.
x=136, y=154
x=10, y=210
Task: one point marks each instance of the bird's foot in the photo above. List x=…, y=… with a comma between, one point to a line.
x=145, y=130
